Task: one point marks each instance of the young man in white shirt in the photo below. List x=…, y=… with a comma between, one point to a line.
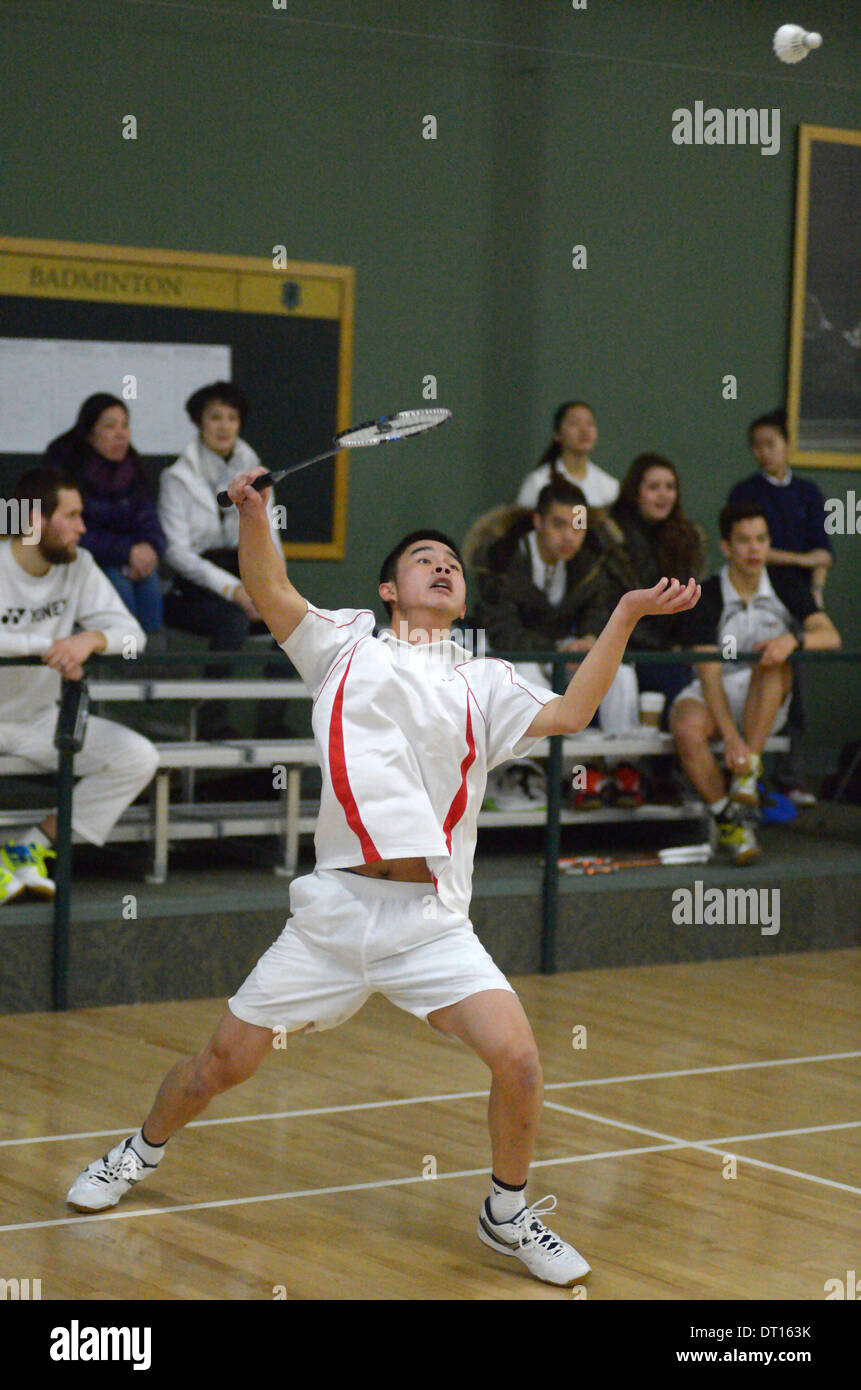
x=747, y=607
x=407, y=726
x=49, y=586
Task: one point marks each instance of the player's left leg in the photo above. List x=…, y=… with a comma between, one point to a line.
x=494, y=1025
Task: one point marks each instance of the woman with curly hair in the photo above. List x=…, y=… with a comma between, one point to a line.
x=658, y=539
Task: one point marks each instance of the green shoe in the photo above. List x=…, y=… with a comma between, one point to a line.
x=10, y=883
x=31, y=869
x=739, y=840
x=744, y=790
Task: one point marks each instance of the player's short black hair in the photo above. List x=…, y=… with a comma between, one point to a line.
x=775, y=419
x=734, y=512
x=388, y=569
x=223, y=391
x=559, y=490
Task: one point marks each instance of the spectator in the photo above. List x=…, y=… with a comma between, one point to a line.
x=795, y=512
x=122, y=528
x=207, y=596
x=548, y=579
x=575, y=433
x=793, y=507
x=49, y=587
x=747, y=607
x=658, y=540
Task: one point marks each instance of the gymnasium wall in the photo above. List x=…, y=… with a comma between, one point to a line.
x=303, y=126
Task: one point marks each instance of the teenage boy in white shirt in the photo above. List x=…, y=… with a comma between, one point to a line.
x=407, y=726
x=747, y=607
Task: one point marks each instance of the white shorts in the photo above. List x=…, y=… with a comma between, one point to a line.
x=736, y=685
x=350, y=936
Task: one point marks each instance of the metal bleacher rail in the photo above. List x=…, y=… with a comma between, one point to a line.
x=211, y=821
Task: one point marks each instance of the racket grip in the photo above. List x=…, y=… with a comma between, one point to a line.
x=223, y=498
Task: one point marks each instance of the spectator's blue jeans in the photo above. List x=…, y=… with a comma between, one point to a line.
x=142, y=597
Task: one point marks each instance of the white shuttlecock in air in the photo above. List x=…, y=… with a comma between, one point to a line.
x=792, y=43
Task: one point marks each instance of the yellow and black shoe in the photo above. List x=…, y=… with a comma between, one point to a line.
x=10, y=883
x=30, y=866
x=738, y=838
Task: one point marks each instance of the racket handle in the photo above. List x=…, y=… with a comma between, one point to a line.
x=265, y=480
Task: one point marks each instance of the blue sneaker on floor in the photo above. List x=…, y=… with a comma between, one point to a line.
x=775, y=808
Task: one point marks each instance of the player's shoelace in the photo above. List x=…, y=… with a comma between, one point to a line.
x=127, y=1167
x=534, y=1231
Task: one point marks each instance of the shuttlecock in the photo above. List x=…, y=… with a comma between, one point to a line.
x=792, y=43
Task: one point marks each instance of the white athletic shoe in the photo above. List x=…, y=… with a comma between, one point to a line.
x=528, y=1239
x=104, y=1182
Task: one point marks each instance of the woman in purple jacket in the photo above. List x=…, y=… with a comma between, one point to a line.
x=123, y=530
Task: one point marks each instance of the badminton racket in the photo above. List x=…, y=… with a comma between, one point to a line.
x=385, y=430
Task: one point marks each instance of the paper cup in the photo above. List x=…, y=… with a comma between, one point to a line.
x=651, y=708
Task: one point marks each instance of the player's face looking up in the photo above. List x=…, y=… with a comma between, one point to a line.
x=561, y=532
x=219, y=427
x=769, y=448
x=748, y=545
x=657, y=493
x=429, y=581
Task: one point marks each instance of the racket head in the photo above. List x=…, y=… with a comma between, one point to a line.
x=388, y=428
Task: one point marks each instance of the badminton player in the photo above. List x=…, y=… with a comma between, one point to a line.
x=407, y=726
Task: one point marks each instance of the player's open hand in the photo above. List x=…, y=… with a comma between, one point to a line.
x=668, y=596
x=246, y=498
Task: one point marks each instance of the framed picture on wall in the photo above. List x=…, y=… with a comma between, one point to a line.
x=824, y=393
x=150, y=327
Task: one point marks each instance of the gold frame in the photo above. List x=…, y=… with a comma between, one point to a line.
x=798, y=458
x=333, y=284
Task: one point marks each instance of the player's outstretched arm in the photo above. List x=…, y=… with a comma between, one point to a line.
x=261, y=568
x=575, y=709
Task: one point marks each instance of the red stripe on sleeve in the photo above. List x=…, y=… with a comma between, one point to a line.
x=458, y=806
x=340, y=777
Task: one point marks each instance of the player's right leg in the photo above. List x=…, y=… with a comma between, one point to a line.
x=232, y=1055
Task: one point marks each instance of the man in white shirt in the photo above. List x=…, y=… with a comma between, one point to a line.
x=49, y=587
x=407, y=726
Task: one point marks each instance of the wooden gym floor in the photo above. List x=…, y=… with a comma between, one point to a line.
x=308, y=1182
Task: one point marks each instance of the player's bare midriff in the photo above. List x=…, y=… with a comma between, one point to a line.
x=400, y=870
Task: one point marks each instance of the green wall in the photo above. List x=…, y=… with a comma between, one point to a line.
x=303, y=126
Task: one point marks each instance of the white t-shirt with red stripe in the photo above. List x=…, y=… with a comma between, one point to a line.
x=406, y=736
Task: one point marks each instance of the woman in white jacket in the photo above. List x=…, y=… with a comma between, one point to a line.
x=207, y=596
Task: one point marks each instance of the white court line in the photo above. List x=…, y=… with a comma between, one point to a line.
x=669, y=1143
x=707, y=1145
x=425, y=1100
x=323, y=1191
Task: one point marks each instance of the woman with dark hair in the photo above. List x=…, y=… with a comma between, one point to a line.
x=575, y=433
x=202, y=540
x=658, y=540
x=207, y=595
x=123, y=533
